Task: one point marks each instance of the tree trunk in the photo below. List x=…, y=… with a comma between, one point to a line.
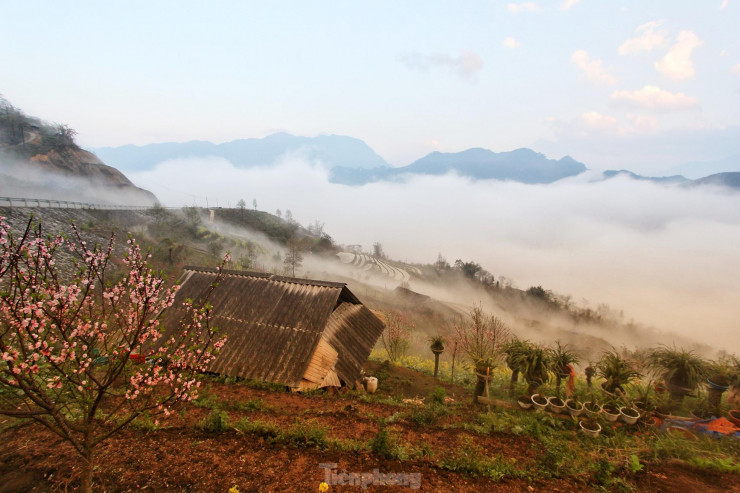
x=588, y=382
x=514, y=380
x=454, y=353
x=436, y=363
x=480, y=387
x=558, y=381
x=87, y=473
x=715, y=399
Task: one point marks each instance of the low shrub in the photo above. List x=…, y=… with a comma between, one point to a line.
x=216, y=422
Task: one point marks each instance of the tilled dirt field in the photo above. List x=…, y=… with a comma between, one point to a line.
x=181, y=457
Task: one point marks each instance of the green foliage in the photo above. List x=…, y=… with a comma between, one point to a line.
x=384, y=444
x=437, y=343
x=428, y=414
x=562, y=356
x=684, y=368
x=207, y=399
x=535, y=366
x=216, y=422
x=470, y=458
x=437, y=396
x=302, y=434
x=617, y=371
x=634, y=465
x=515, y=352
x=250, y=405
x=724, y=371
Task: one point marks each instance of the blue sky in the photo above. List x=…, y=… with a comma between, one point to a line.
x=634, y=84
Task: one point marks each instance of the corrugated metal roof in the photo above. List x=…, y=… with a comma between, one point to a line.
x=352, y=330
x=273, y=323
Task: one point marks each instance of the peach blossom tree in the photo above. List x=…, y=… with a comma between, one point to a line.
x=84, y=355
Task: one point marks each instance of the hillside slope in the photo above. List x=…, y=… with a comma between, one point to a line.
x=41, y=160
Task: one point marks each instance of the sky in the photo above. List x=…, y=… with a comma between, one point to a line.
x=647, y=86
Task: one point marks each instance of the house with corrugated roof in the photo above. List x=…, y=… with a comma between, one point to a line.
x=300, y=333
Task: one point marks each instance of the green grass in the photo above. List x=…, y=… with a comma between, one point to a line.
x=302, y=434
x=216, y=422
x=469, y=458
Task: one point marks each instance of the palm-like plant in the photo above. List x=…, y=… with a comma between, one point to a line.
x=682, y=370
x=724, y=371
x=515, y=352
x=562, y=356
x=437, y=345
x=616, y=370
x=535, y=367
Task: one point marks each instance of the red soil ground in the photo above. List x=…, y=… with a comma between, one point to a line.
x=182, y=458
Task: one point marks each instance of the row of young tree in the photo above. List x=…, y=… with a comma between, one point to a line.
x=487, y=342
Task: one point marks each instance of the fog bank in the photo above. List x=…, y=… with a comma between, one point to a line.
x=668, y=257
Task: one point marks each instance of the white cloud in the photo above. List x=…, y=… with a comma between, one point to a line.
x=647, y=37
x=570, y=3
x=523, y=7
x=466, y=65
x=511, y=43
x=597, y=240
x=593, y=69
x=645, y=124
x=654, y=98
x=736, y=69
x=676, y=64
x=598, y=121
x=724, y=4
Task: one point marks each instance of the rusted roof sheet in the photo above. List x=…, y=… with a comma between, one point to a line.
x=273, y=323
x=352, y=330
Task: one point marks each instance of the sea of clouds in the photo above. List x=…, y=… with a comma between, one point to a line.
x=667, y=256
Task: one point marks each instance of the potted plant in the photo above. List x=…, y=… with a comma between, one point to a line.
x=437, y=345
x=722, y=373
x=592, y=409
x=644, y=400
x=574, y=407
x=629, y=415
x=590, y=427
x=682, y=371
x=524, y=401
x=561, y=357
x=540, y=402
x=611, y=412
x=514, y=352
x=535, y=367
x=616, y=370
x=556, y=405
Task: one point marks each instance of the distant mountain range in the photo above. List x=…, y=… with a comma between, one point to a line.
x=521, y=165
x=352, y=162
x=330, y=150
x=730, y=179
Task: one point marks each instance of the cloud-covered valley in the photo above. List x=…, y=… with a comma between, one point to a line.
x=666, y=256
